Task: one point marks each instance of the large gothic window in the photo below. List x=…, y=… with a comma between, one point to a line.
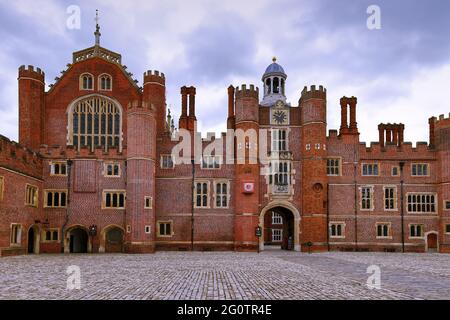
x=95, y=122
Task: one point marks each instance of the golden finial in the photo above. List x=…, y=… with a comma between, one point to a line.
x=274, y=59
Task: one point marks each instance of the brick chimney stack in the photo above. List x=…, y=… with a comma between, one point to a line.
x=231, y=117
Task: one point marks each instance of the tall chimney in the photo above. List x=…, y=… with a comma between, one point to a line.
x=431, y=122
x=191, y=118
x=381, y=130
x=353, y=125
x=183, y=116
x=401, y=134
x=231, y=117
x=344, y=124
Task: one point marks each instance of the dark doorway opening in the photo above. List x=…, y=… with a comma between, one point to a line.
x=114, y=240
x=78, y=241
x=279, y=229
x=31, y=240
x=432, y=242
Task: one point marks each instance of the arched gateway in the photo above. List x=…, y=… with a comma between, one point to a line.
x=291, y=225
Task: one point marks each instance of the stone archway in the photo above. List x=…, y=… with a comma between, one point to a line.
x=431, y=241
x=289, y=207
x=77, y=240
x=33, y=239
x=112, y=239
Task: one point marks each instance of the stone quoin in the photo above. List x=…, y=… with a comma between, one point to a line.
x=95, y=170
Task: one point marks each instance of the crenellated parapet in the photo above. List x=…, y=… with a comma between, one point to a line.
x=137, y=105
x=392, y=151
x=440, y=132
x=154, y=76
x=16, y=157
x=70, y=152
x=313, y=93
x=244, y=92
x=30, y=72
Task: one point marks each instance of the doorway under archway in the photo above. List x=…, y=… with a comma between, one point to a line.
x=114, y=240
x=432, y=241
x=78, y=240
x=280, y=223
x=33, y=240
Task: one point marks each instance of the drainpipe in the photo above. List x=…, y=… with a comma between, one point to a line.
x=124, y=212
x=193, y=204
x=328, y=216
x=355, y=168
x=402, y=164
x=66, y=218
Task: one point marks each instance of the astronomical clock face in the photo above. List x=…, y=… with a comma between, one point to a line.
x=279, y=114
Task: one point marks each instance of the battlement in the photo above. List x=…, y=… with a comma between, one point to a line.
x=154, y=73
x=137, y=105
x=16, y=157
x=243, y=92
x=393, y=151
x=441, y=121
x=31, y=72
x=70, y=152
x=154, y=76
x=313, y=93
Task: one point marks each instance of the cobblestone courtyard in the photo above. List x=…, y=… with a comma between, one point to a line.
x=227, y=275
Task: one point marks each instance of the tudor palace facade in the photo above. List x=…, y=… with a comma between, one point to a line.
x=94, y=171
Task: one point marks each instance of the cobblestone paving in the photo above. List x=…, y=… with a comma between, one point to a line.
x=226, y=275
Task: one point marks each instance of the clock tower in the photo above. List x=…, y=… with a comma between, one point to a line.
x=274, y=80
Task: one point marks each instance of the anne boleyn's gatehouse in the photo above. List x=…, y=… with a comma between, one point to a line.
x=94, y=171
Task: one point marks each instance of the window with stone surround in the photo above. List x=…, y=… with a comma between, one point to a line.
x=421, y=202
x=58, y=168
x=201, y=194
x=383, y=230
x=31, y=195
x=221, y=193
x=105, y=82
x=167, y=161
x=277, y=235
x=16, y=234
x=148, y=202
x=164, y=228
x=366, y=198
x=50, y=235
x=420, y=169
x=446, y=204
x=86, y=81
x=148, y=229
x=334, y=166
x=395, y=171
x=111, y=170
x=447, y=228
x=55, y=198
x=211, y=162
x=2, y=187
x=370, y=169
x=337, y=229
x=277, y=218
x=95, y=122
x=113, y=199
x=416, y=230
x=390, y=198
x=279, y=140
x=280, y=173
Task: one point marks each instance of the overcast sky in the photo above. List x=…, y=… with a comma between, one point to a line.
x=400, y=73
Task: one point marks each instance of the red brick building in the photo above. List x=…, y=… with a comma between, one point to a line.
x=95, y=171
